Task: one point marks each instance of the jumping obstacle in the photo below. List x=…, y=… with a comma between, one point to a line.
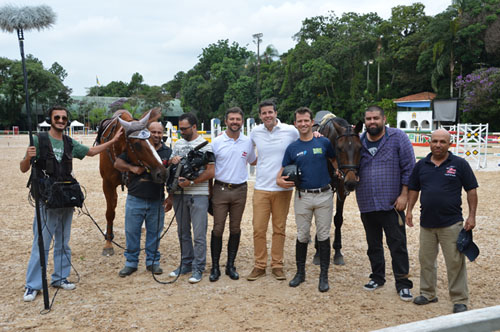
x=471, y=142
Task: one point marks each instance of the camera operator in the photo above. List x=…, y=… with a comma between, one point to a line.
x=191, y=202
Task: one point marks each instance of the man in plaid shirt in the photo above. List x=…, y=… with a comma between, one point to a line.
x=387, y=159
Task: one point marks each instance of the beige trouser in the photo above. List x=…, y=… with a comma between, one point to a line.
x=321, y=206
x=266, y=204
x=455, y=262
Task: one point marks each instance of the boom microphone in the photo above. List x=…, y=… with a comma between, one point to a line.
x=19, y=19
x=26, y=18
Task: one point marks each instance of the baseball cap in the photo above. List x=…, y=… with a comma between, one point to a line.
x=466, y=246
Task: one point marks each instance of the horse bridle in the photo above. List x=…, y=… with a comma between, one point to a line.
x=144, y=135
x=344, y=169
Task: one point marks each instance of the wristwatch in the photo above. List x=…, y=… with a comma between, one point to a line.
x=191, y=182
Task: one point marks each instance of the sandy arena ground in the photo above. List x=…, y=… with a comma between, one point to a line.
x=104, y=301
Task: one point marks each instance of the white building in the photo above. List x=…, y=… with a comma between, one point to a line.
x=415, y=112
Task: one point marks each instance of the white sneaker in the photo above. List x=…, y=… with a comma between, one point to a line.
x=64, y=284
x=30, y=294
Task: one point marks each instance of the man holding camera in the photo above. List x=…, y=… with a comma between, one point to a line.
x=233, y=151
x=190, y=202
x=54, y=154
x=144, y=204
x=313, y=196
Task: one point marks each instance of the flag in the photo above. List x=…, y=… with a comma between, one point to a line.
x=97, y=81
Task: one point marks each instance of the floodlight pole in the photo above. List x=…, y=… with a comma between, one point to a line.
x=34, y=180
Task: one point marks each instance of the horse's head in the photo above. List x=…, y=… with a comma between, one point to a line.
x=348, y=153
x=139, y=148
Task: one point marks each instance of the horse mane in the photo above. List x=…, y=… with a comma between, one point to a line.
x=326, y=118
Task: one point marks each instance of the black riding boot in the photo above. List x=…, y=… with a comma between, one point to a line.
x=300, y=257
x=215, y=249
x=324, y=257
x=316, y=254
x=232, y=250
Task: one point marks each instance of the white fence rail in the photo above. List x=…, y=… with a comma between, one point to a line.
x=479, y=320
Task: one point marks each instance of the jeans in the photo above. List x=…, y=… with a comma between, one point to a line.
x=191, y=210
x=379, y=222
x=56, y=224
x=137, y=211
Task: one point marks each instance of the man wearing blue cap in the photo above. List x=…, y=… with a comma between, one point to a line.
x=440, y=177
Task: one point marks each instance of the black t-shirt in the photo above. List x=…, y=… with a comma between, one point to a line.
x=142, y=185
x=441, y=189
x=373, y=146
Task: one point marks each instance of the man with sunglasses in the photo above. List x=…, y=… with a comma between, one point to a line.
x=191, y=203
x=56, y=222
x=144, y=205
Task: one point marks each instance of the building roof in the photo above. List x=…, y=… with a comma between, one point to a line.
x=422, y=96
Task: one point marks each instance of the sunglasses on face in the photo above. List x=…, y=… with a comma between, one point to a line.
x=63, y=118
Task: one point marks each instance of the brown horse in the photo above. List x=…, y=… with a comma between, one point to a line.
x=140, y=152
x=347, y=145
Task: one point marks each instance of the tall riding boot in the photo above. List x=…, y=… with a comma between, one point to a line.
x=316, y=254
x=215, y=249
x=300, y=257
x=324, y=257
x=232, y=250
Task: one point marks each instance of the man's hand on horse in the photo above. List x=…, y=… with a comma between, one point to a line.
x=118, y=134
x=317, y=134
x=137, y=169
x=283, y=183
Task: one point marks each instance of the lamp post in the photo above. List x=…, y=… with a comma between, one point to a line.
x=257, y=39
x=367, y=64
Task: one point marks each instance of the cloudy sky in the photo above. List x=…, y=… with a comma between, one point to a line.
x=112, y=39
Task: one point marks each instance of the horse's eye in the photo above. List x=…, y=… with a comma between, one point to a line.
x=137, y=146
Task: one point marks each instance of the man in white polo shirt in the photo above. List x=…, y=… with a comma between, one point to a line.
x=271, y=139
x=233, y=151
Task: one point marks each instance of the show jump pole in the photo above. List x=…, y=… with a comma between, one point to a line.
x=22, y=19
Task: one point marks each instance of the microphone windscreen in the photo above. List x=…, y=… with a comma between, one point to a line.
x=13, y=18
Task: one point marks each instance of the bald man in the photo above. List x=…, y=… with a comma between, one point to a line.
x=144, y=205
x=440, y=177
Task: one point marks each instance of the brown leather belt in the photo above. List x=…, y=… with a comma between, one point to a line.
x=316, y=191
x=230, y=185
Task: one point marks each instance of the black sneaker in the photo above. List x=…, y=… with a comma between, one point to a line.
x=405, y=295
x=155, y=268
x=371, y=286
x=126, y=271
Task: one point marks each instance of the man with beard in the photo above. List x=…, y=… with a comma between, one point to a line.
x=144, y=205
x=191, y=203
x=54, y=154
x=233, y=151
x=387, y=159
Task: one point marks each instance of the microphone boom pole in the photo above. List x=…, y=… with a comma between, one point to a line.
x=19, y=19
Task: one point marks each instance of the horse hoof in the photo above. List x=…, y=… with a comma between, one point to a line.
x=338, y=259
x=108, y=252
x=316, y=259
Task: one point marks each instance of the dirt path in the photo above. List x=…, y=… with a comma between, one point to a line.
x=103, y=301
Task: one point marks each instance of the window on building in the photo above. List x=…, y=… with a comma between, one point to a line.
x=402, y=124
x=425, y=124
x=414, y=124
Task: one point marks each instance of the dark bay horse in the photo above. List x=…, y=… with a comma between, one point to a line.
x=347, y=145
x=140, y=151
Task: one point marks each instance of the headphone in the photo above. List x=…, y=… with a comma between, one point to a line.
x=48, y=119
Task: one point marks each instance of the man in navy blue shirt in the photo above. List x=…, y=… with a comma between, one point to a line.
x=440, y=177
x=314, y=195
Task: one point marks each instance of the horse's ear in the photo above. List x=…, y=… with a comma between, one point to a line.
x=340, y=130
x=359, y=127
x=155, y=115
